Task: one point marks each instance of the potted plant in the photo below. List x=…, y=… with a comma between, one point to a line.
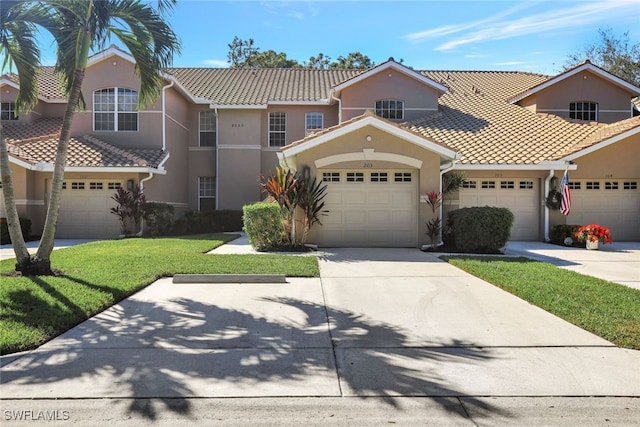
x=592, y=234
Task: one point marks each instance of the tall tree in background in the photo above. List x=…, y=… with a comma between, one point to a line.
x=354, y=60
x=79, y=26
x=614, y=53
x=19, y=49
x=320, y=62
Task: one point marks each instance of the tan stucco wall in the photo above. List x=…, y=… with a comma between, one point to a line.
x=419, y=100
x=584, y=86
x=296, y=120
x=618, y=160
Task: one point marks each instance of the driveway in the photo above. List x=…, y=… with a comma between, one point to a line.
x=379, y=329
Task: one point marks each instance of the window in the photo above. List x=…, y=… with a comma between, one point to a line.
x=313, y=122
x=95, y=186
x=277, y=129
x=77, y=185
x=574, y=185
x=611, y=185
x=507, y=184
x=331, y=176
x=379, y=177
x=583, y=111
x=468, y=184
x=207, y=193
x=593, y=185
x=207, y=129
x=390, y=109
x=113, y=185
x=8, y=111
x=526, y=185
x=115, y=109
x=630, y=185
x=488, y=184
x=355, y=177
x=402, y=177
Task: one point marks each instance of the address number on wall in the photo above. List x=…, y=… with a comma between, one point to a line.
x=367, y=165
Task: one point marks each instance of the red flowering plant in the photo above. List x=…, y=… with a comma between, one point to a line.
x=594, y=233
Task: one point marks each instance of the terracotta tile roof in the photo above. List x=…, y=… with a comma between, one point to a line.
x=36, y=142
x=257, y=86
x=49, y=85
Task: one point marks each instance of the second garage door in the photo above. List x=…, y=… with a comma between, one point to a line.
x=369, y=208
x=521, y=196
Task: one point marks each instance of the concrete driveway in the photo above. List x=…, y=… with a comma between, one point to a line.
x=394, y=335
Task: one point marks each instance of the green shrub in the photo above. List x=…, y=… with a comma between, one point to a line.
x=561, y=231
x=25, y=224
x=208, y=222
x=263, y=225
x=480, y=229
x=158, y=217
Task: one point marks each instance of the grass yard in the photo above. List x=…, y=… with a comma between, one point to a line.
x=607, y=309
x=99, y=274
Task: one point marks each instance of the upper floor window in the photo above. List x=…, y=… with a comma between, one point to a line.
x=313, y=122
x=207, y=129
x=390, y=109
x=277, y=129
x=583, y=111
x=8, y=111
x=115, y=109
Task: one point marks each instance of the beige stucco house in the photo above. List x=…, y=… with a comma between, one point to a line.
x=380, y=139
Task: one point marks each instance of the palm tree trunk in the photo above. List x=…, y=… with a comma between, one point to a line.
x=11, y=210
x=41, y=263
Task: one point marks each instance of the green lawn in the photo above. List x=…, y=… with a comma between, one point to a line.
x=607, y=309
x=97, y=275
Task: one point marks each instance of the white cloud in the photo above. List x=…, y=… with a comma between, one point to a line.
x=496, y=27
x=216, y=63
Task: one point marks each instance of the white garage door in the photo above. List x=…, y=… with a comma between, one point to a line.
x=521, y=196
x=84, y=210
x=370, y=208
x=612, y=203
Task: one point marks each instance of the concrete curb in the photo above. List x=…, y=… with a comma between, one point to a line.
x=229, y=278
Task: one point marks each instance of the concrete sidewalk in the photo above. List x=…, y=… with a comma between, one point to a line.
x=6, y=251
x=384, y=336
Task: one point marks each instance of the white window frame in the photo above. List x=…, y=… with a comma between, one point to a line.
x=212, y=128
x=385, y=111
x=8, y=109
x=317, y=122
x=211, y=189
x=281, y=133
x=582, y=111
x=126, y=107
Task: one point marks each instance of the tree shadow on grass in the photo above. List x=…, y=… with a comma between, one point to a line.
x=163, y=353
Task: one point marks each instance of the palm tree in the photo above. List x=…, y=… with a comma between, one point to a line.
x=18, y=47
x=79, y=26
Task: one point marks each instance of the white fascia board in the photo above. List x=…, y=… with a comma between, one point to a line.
x=396, y=67
x=185, y=92
x=6, y=81
x=318, y=102
x=602, y=144
x=21, y=163
x=587, y=66
x=238, y=106
x=16, y=86
x=109, y=52
x=379, y=124
x=114, y=169
x=547, y=165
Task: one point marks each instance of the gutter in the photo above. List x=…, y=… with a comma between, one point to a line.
x=164, y=115
x=339, y=106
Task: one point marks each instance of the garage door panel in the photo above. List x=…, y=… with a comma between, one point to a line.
x=373, y=212
x=85, y=212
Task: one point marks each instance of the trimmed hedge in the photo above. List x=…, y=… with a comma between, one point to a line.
x=480, y=229
x=158, y=218
x=263, y=225
x=559, y=232
x=25, y=224
x=208, y=222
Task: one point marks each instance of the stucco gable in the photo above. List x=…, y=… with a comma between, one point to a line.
x=585, y=66
x=365, y=120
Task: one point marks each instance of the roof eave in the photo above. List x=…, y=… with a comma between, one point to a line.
x=602, y=144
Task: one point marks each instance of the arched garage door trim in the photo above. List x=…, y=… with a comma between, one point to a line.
x=368, y=154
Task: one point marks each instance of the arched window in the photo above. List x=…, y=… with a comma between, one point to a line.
x=583, y=110
x=390, y=109
x=115, y=109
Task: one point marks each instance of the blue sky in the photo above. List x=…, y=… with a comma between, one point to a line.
x=531, y=35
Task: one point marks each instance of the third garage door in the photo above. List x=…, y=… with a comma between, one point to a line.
x=370, y=208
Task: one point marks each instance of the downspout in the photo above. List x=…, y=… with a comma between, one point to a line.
x=444, y=169
x=339, y=106
x=141, y=183
x=547, y=182
x=215, y=111
x=164, y=115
